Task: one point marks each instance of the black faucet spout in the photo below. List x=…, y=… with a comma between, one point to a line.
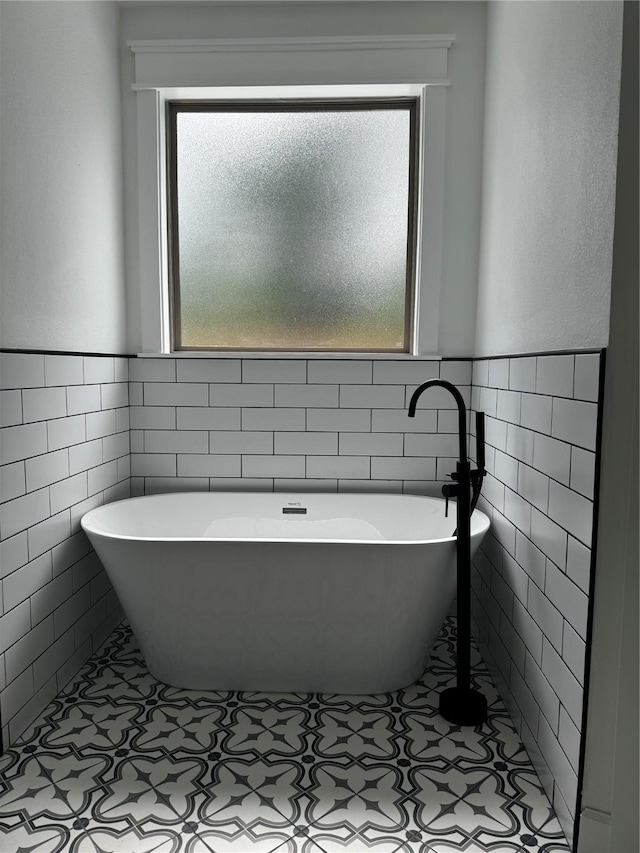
x=462, y=412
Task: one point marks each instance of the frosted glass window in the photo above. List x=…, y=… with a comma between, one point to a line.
x=291, y=227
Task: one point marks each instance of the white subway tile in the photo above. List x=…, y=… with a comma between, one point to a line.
x=209, y=370
x=63, y=370
x=405, y=372
x=13, y=554
x=568, y=598
x=437, y=397
x=14, y=624
x=15, y=697
x=571, y=511
x=114, y=395
x=78, y=510
x=392, y=468
x=164, y=485
x=218, y=465
x=561, y=679
x=506, y=469
x=263, y=370
x=347, y=467
x=518, y=511
x=448, y=421
x=136, y=441
x=432, y=444
x=575, y=422
x=372, y=396
x=63, y=432
x=546, y=615
x=488, y=402
x=371, y=443
x=242, y=442
x=503, y=594
x=48, y=533
x=100, y=478
x=563, y=774
x=397, y=420
x=241, y=395
x=242, y=484
x=528, y=629
x=515, y=577
x=12, y=481
x=115, y=446
x=504, y=531
x=546, y=696
x=555, y=375
x=531, y=559
x=533, y=487
x=10, y=408
x=317, y=396
x=520, y=443
x=495, y=433
x=121, y=369
x=153, y=465
x=579, y=563
x=68, y=492
x=100, y=424
x=46, y=666
x=176, y=394
x=176, y=441
x=340, y=372
x=49, y=468
x=392, y=487
x=136, y=393
x=457, y=372
x=273, y=420
x=508, y=406
x=120, y=490
x=137, y=486
x=535, y=412
x=512, y=641
x=480, y=372
x=84, y=456
x=82, y=399
x=21, y=370
x=21, y=442
x=498, y=373
x=552, y=457
x=566, y=816
x=573, y=652
x=40, y=404
x=288, y=484
x=526, y=704
x=522, y=374
x=303, y=443
x=19, y=585
x=152, y=370
x=23, y=512
x=493, y=491
x=123, y=423
x=583, y=471
x=549, y=538
x=210, y=419
x=587, y=377
x=569, y=738
x=276, y=466
x=98, y=369
x=71, y=610
x=123, y=464
x=23, y=653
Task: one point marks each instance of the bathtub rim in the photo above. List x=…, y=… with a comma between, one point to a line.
x=88, y=525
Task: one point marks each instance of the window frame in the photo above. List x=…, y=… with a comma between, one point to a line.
x=232, y=69
x=174, y=107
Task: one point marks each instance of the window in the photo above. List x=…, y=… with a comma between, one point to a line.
x=244, y=72
x=292, y=224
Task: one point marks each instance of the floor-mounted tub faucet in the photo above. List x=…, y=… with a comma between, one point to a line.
x=462, y=704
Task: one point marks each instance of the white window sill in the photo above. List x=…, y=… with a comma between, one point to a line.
x=342, y=356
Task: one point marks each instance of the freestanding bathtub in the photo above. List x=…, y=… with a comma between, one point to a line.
x=322, y=593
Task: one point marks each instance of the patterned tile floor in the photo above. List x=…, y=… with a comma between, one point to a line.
x=121, y=762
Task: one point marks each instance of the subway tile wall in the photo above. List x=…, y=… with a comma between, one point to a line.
x=275, y=424
x=64, y=449
x=531, y=575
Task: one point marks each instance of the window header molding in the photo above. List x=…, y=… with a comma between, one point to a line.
x=285, y=67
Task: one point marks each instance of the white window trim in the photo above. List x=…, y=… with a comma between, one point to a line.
x=289, y=67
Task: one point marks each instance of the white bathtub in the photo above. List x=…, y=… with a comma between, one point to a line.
x=242, y=591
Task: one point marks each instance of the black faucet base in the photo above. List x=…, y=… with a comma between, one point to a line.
x=463, y=706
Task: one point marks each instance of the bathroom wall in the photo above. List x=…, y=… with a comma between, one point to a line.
x=463, y=116
x=549, y=165
x=61, y=197
x=64, y=449
x=532, y=575
x=291, y=424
